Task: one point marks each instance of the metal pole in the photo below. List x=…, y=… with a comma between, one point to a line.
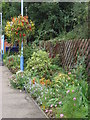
x=1, y=29
x=22, y=58
x=2, y=41
x=22, y=7
x=1, y=22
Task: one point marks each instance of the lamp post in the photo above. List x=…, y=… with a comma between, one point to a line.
x=2, y=41
x=22, y=58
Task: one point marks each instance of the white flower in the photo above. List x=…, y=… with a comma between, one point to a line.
x=32, y=68
x=18, y=55
x=20, y=90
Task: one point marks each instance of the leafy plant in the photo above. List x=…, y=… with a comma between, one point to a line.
x=28, y=51
x=38, y=64
x=19, y=80
x=13, y=63
x=72, y=105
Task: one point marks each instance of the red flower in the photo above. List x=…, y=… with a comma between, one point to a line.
x=34, y=81
x=24, y=35
x=20, y=34
x=27, y=22
x=49, y=55
x=12, y=59
x=12, y=29
x=16, y=33
x=53, y=56
x=9, y=61
x=13, y=19
x=30, y=27
x=17, y=29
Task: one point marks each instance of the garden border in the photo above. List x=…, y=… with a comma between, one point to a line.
x=28, y=94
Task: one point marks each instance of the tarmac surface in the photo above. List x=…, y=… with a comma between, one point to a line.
x=0, y=88
x=13, y=103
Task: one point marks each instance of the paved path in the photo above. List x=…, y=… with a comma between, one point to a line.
x=14, y=103
x=0, y=88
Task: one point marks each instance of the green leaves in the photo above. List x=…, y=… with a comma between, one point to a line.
x=39, y=63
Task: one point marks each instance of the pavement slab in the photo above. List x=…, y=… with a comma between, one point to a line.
x=15, y=103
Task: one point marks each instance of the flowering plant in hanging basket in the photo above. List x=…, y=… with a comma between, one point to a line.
x=19, y=29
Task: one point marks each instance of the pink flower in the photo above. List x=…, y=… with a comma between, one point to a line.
x=55, y=105
x=74, y=98
x=61, y=115
x=45, y=98
x=72, y=90
x=69, y=73
x=68, y=91
x=46, y=111
x=60, y=102
x=51, y=106
x=50, y=110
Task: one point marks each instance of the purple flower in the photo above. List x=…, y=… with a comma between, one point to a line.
x=68, y=91
x=51, y=106
x=74, y=98
x=46, y=111
x=72, y=90
x=60, y=103
x=61, y=115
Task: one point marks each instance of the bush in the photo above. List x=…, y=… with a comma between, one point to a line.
x=13, y=63
x=62, y=80
x=19, y=80
x=38, y=64
x=28, y=51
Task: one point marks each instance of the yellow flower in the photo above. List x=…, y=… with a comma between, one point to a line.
x=60, y=75
x=42, y=78
x=43, y=107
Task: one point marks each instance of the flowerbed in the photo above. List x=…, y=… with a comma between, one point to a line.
x=13, y=63
x=59, y=93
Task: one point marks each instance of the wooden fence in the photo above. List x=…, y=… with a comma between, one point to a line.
x=68, y=51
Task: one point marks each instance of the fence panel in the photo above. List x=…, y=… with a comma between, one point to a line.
x=68, y=51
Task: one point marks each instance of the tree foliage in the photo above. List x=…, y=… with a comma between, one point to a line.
x=51, y=19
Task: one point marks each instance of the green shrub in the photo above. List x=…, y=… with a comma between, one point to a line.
x=38, y=64
x=13, y=63
x=56, y=60
x=28, y=51
x=62, y=80
x=19, y=80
